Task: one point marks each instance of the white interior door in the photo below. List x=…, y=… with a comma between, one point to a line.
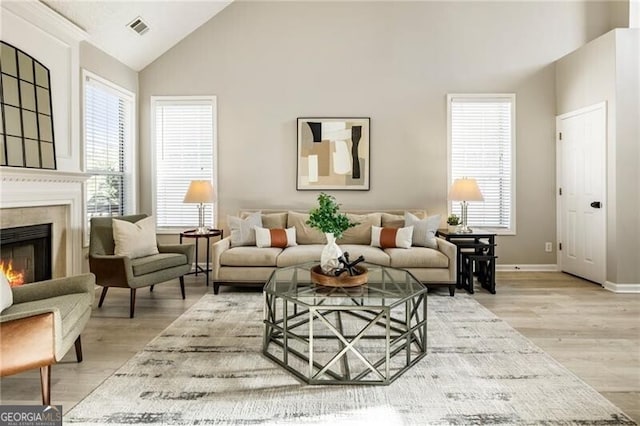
x=581, y=181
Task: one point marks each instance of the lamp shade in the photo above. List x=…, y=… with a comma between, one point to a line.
x=465, y=189
x=200, y=191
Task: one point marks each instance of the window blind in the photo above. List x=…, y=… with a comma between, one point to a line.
x=107, y=123
x=481, y=137
x=183, y=152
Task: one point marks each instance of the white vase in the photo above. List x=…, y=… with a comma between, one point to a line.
x=330, y=254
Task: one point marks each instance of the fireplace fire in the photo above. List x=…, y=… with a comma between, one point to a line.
x=14, y=277
x=25, y=254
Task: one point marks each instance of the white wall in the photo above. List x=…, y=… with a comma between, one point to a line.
x=607, y=69
x=106, y=66
x=628, y=155
x=270, y=62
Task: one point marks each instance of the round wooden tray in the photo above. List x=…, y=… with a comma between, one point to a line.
x=343, y=280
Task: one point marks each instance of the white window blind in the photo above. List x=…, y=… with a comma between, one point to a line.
x=107, y=133
x=184, y=149
x=482, y=143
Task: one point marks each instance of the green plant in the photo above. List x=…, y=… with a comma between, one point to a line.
x=453, y=220
x=327, y=217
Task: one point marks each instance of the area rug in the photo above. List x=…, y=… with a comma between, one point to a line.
x=207, y=368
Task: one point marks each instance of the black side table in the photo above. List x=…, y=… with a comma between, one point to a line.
x=192, y=233
x=478, y=247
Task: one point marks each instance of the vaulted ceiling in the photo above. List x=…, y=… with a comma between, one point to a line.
x=107, y=23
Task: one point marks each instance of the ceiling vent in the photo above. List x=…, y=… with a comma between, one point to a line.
x=139, y=26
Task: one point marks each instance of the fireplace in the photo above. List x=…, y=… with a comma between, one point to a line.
x=25, y=253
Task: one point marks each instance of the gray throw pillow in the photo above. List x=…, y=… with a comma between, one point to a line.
x=424, y=230
x=243, y=231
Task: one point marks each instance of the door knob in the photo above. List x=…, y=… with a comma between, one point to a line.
x=596, y=204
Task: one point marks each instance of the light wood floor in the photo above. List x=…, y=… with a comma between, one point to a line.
x=591, y=331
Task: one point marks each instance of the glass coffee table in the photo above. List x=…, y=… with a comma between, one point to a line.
x=330, y=335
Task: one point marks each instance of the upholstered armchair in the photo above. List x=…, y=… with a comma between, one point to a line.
x=173, y=261
x=45, y=320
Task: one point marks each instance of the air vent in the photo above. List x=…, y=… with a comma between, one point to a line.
x=139, y=26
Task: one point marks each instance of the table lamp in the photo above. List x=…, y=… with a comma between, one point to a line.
x=464, y=190
x=200, y=192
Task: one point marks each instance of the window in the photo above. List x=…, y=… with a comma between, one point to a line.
x=482, y=146
x=183, y=136
x=108, y=135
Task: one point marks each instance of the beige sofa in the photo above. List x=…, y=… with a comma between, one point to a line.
x=251, y=265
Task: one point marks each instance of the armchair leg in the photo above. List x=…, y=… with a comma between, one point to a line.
x=45, y=384
x=78, y=345
x=132, y=302
x=182, y=287
x=102, y=295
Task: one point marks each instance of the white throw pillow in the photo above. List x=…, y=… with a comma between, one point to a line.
x=391, y=237
x=281, y=238
x=424, y=230
x=135, y=239
x=6, y=295
x=243, y=231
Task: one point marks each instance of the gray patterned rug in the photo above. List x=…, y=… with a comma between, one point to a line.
x=207, y=368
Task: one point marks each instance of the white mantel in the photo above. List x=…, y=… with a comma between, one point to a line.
x=24, y=188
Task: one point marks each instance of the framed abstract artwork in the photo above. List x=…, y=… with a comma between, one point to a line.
x=333, y=154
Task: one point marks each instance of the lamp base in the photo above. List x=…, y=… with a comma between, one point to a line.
x=465, y=230
x=202, y=230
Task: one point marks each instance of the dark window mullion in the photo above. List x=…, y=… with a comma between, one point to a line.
x=24, y=150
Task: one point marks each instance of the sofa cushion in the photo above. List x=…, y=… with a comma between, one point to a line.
x=71, y=306
x=250, y=256
x=6, y=295
x=304, y=233
x=388, y=220
x=361, y=233
x=371, y=254
x=417, y=257
x=275, y=237
x=270, y=220
x=242, y=230
x=391, y=220
x=157, y=262
x=424, y=230
x=300, y=254
x=135, y=239
x=391, y=237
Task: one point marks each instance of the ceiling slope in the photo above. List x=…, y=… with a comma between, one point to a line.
x=107, y=22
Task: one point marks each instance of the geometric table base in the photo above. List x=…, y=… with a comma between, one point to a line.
x=348, y=344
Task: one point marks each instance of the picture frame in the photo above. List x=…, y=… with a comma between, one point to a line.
x=334, y=153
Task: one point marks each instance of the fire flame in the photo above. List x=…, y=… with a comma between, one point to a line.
x=15, y=278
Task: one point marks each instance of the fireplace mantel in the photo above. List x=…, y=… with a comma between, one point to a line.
x=28, y=188
x=19, y=174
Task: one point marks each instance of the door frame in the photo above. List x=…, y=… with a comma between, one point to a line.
x=559, y=222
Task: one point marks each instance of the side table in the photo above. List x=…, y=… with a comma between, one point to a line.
x=192, y=233
x=473, y=247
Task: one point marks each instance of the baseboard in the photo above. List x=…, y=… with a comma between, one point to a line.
x=622, y=288
x=527, y=268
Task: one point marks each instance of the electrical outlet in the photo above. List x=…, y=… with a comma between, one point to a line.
x=548, y=247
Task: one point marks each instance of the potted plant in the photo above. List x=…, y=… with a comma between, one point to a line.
x=328, y=219
x=453, y=221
